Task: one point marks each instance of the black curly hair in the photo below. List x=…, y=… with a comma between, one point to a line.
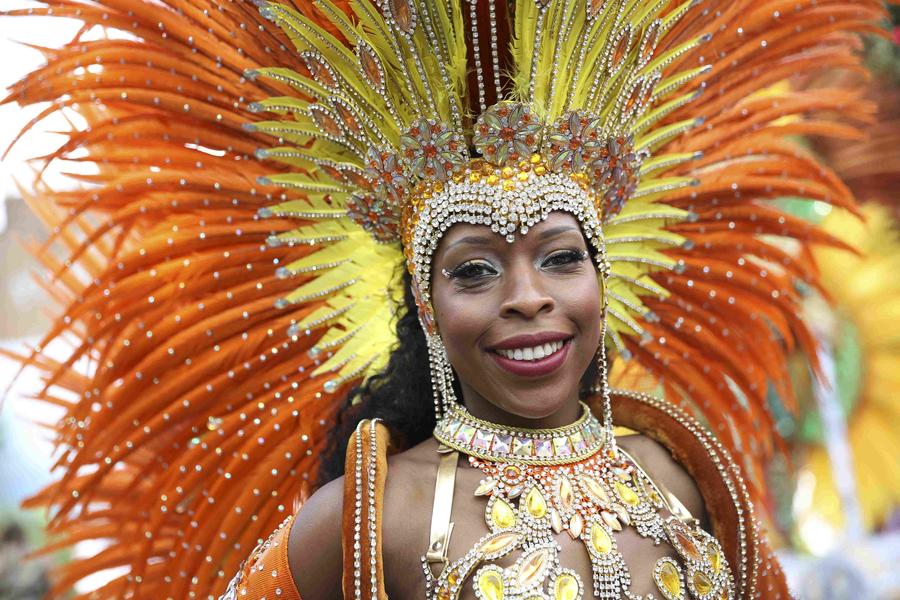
x=400, y=395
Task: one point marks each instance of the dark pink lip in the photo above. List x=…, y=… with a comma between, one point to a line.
x=529, y=340
x=533, y=368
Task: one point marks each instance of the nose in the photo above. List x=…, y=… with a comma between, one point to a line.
x=527, y=295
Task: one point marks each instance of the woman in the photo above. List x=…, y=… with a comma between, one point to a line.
x=493, y=299
x=594, y=176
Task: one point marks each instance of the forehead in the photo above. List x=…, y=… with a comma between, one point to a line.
x=463, y=233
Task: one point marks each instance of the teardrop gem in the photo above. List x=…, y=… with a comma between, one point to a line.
x=404, y=15
x=611, y=520
x=555, y=520
x=702, y=583
x=576, y=525
x=622, y=514
x=565, y=588
x=565, y=493
x=535, y=503
x=600, y=539
x=502, y=514
x=715, y=559
x=627, y=494
x=595, y=489
x=687, y=545
x=669, y=579
x=532, y=568
x=371, y=67
x=499, y=543
x=490, y=584
x=485, y=487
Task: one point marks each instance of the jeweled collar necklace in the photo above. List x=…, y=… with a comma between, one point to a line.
x=459, y=430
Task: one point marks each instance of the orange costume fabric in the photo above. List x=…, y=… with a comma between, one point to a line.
x=266, y=574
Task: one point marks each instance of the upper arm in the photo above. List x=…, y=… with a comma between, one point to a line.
x=314, y=545
x=665, y=470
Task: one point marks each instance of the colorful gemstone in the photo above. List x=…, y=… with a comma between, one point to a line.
x=533, y=568
x=555, y=520
x=490, y=584
x=465, y=434
x=687, y=545
x=486, y=487
x=668, y=578
x=565, y=493
x=543, y=448
x=578, y=442
x=600, y=539
x=562, y=446
x=714, y=558
x=576, y=525
x=499, y=543
x=522, y=447
x=627, y=495
x=482, y=439
x=535, y=503
x=565, y=587
x=595, y=489
x=501, y=443
x=702, y=583
x=502, y=514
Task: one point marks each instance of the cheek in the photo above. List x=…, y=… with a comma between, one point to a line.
x=585, y=305
x=461, y=320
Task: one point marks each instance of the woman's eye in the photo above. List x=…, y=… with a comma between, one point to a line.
x=564, y=258
x=473, y=270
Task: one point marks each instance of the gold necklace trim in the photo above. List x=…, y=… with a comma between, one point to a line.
x=462, y=431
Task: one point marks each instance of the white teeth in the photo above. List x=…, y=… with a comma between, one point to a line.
x=533, y=353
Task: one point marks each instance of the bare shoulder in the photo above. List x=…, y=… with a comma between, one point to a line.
x=314, y=545
x=657, y=461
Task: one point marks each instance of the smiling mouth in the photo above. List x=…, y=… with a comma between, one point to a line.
x=532, y=353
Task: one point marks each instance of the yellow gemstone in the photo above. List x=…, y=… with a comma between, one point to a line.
x=490, y=584
x=540, y=170
x=509, y=185
x=595, y=489
x=670, y=579
x=715, y=559
x=443, y=592
x=566, y=588
x=507, y=172
x=627, y=494
x=492, y=179
x=600, y=539
x=502, y=514
x=499, y=542
x=701, y=583
x=535, y=503
x=453, y=577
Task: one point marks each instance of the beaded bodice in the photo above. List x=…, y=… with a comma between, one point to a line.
x=590, y=492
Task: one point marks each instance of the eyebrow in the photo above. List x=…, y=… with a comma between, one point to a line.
x=483, y=240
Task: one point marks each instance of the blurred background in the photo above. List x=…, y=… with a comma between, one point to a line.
x=834, y=503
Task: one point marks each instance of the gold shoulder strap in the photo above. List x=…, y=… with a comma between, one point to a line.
x=441, y=527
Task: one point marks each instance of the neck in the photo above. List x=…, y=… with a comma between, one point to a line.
x=484, y=409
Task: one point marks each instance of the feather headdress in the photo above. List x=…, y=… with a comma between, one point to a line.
x=224, y=288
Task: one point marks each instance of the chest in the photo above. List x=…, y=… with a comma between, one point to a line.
x=526, y=535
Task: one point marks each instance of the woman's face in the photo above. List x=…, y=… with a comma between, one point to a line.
x=520, y=321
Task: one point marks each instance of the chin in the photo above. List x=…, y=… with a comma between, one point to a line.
x=536, y=404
